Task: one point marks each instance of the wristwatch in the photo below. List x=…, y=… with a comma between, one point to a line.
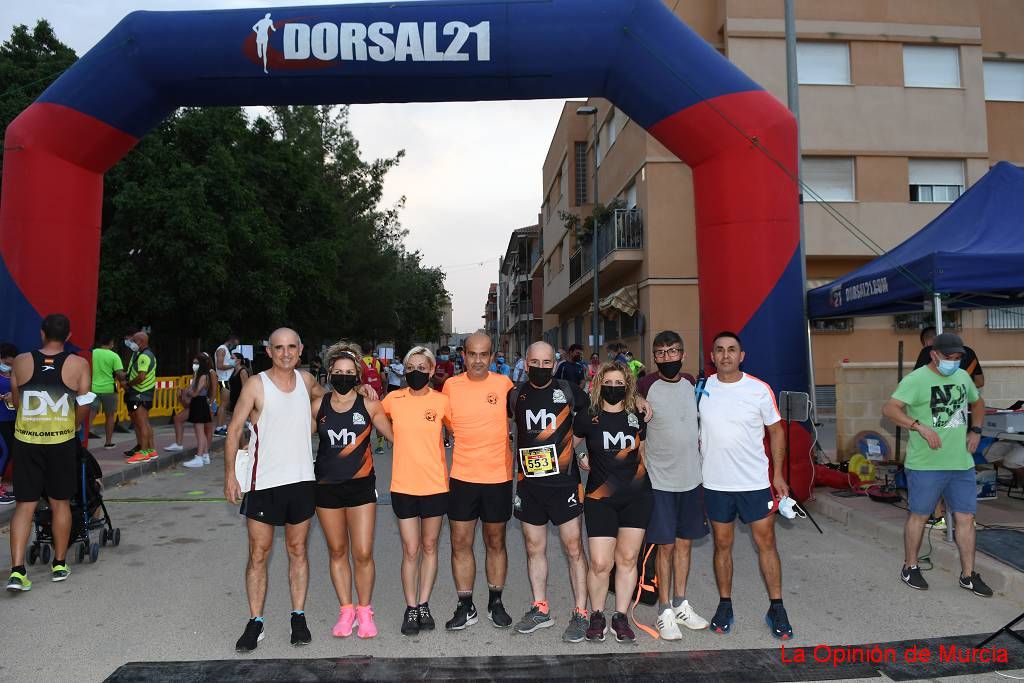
x=976, y=430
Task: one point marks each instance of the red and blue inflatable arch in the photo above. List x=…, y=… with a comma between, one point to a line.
x=635, y=53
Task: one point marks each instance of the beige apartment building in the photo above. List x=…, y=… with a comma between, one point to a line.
x=903, y=103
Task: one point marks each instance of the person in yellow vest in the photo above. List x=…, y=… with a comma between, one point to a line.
x=138, y=396
x=50, y=388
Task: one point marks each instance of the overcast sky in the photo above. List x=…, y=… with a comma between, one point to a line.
x=472, y=171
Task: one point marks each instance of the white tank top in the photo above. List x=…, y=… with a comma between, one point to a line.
x=281, y=450
x=223, y=375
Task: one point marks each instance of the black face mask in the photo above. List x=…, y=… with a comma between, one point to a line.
x=344, y=383
x=613, y=395
x=538, y=376
x=417, y=379
x=670, y=369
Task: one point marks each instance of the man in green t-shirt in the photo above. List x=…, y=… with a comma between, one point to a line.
x=935, y=403
x=106, y=370
x=138, y=395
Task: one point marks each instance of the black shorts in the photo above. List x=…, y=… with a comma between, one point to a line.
x=44, y=469
x=280, y=505
x=539, y=505
x=677, y=514
x=490, y=503
x=407, y=506
x=347, y=494
x=135, y=401
x=605, y=516
x=199, y=410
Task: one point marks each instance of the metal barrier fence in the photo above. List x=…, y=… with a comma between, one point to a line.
x=165, y=399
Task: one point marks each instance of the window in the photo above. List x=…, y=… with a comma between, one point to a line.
x=613, y=128
x=936, y=180
x=1006, y=318
x=830, y=179
x=1004, y=81
x=628, y=326
x=565, y=335
x=823, y=63
x=631, y=196
x=578, y=329
x=611, y=329
x=833, y=325
x=931, y=66
x=581, y=173
x=920, y=320
x=563, y=178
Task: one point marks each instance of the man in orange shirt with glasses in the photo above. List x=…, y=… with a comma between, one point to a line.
x=481, y=480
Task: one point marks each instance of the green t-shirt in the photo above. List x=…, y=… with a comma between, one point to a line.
x=104, y=363
x=143, y=361
x=942, y=403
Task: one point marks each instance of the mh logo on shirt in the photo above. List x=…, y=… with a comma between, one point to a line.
x=344, y=437
x=620, y=441
x=44, y=404
x=542, y=419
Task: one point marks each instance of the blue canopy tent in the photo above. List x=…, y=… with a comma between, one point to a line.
x=970, y=256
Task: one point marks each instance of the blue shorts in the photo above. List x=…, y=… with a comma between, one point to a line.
x=677, y=514
x=751, y=506
x=959, y=488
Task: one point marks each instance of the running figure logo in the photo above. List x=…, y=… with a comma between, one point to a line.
x=263, y=27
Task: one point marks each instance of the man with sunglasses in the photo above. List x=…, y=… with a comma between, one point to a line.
x=673, y=464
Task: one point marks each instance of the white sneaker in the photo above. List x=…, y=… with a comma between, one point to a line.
x=688, y=618
x=206, y=458
x=667, y=627
x=174, y=447
x=197, y=461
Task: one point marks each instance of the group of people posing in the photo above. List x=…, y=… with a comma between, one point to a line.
x=654, y=472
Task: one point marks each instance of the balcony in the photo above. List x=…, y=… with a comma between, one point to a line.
x=625, y=232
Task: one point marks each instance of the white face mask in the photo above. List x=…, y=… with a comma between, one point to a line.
x=4, y=367
x=195, y=367
x=131, y=345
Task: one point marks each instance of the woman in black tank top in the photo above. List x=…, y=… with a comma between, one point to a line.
x=346, y=495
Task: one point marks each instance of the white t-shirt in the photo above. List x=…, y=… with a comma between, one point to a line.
x=733, y=416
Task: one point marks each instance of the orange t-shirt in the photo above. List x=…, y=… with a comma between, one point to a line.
x=482, y=453
x=418, y=467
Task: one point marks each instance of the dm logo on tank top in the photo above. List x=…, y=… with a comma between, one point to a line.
x=38, y=403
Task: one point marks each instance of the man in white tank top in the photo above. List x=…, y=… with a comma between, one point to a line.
x=279, y=478
x=224, y=364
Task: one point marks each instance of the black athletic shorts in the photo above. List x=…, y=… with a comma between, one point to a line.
x=135, y=401
x=280, y=505
x=44, y=469
x=539, y=505
x=407, y=506
x=347, y=494
x=468, y=502
x=605, y=516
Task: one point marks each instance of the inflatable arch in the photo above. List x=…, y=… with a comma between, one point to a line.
x=635, y=53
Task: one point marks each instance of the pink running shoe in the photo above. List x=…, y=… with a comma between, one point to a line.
x=346, y=617
x=367, y=629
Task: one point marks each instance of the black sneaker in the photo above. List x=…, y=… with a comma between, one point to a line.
x=974, y=584
x=912, y=577
x=300, y=632
x=253, y=634
x=778, y=622
x=131, y=451
x=620, y=625
x=722, y=621
x=498, y=616
x=465, y=615
x=411, y=622
x=426, y=618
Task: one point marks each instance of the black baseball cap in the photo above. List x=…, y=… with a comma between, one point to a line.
x=947, y=343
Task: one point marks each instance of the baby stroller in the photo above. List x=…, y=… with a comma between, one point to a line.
x=85, y=506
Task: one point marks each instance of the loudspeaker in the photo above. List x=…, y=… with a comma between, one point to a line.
x=795, y=406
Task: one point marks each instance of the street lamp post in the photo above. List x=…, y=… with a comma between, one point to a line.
x=596, y=346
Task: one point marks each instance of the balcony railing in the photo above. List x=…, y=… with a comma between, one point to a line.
x=625, y=231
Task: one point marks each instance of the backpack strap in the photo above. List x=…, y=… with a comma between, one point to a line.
x=644, y=582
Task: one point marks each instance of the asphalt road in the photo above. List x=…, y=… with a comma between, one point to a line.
x=174, y=590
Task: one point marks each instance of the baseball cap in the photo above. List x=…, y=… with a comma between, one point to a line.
x=947, y=343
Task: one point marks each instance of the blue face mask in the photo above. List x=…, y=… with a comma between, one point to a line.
x=4, y=367
x=442, y=357
x=948, y=367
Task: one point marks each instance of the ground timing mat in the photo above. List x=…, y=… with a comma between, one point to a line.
x=900, y=660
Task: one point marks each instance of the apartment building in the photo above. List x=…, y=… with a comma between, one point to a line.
x=520, y=292
x=903, y=103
